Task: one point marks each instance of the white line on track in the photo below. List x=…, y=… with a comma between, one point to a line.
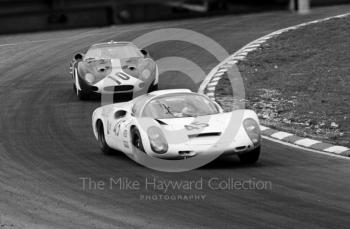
x=91, y=32
x=31, y=42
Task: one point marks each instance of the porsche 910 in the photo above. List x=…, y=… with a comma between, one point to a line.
x=176, y=124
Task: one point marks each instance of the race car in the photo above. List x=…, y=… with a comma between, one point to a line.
x=176, y=124
x=113, y=67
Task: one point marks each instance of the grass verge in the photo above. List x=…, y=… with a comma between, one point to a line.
x=300, y=82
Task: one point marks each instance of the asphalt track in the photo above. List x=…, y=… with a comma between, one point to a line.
x=47, y=145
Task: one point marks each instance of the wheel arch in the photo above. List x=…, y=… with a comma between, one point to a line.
x=95, y=126
x=143, y=136
x=132, y=127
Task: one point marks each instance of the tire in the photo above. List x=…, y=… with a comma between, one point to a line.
x=153, y=87
x=82, y=95
x=136, y=139
x=101, y=138
x=250, y=157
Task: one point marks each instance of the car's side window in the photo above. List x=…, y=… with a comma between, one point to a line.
x=138, y=105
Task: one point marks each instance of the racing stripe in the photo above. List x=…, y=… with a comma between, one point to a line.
x=116, y=68
x=116, y=65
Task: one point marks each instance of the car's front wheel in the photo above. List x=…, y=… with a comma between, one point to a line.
x=250, y=157
x=153, y=87
x=136, y=139
x=82, y=95
x=101, y=138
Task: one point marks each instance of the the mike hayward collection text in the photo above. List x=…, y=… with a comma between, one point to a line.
x=167, y=185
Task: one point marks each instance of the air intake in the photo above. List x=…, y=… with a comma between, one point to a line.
x=119, y=88
x=201, y=135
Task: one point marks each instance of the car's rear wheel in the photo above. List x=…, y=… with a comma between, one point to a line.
x=101, y=138
x=250, y=157
x=136, y=139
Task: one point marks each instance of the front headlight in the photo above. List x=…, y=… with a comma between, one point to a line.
x=145, y=74
x=90, y=78
x=157, y=140
x=253, y=130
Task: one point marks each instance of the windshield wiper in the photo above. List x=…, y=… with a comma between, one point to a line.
x=167, y=109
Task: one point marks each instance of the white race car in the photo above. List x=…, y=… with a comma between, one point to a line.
x=113, y=68
x=176, y=124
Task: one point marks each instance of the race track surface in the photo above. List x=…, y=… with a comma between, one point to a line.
x=47, y=145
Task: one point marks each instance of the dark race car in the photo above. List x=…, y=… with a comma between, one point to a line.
x=113, y=68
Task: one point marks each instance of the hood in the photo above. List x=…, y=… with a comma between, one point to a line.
x=134, y=67
x=138, y=67
x=197, y=124
x=205, y=129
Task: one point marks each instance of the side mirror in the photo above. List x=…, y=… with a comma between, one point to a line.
x=78, y=56
x=144, y=52
x=120, y=114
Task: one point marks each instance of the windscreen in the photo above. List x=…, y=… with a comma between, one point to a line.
x=179, y=106
x=113, y=52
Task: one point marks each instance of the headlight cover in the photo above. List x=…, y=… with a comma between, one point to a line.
x=253, y=130
x=145, y=74
x=90, y=78
x=147, y=70
x=157, y=140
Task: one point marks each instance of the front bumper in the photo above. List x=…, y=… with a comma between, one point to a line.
x=184, y=151
x=123, y=92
